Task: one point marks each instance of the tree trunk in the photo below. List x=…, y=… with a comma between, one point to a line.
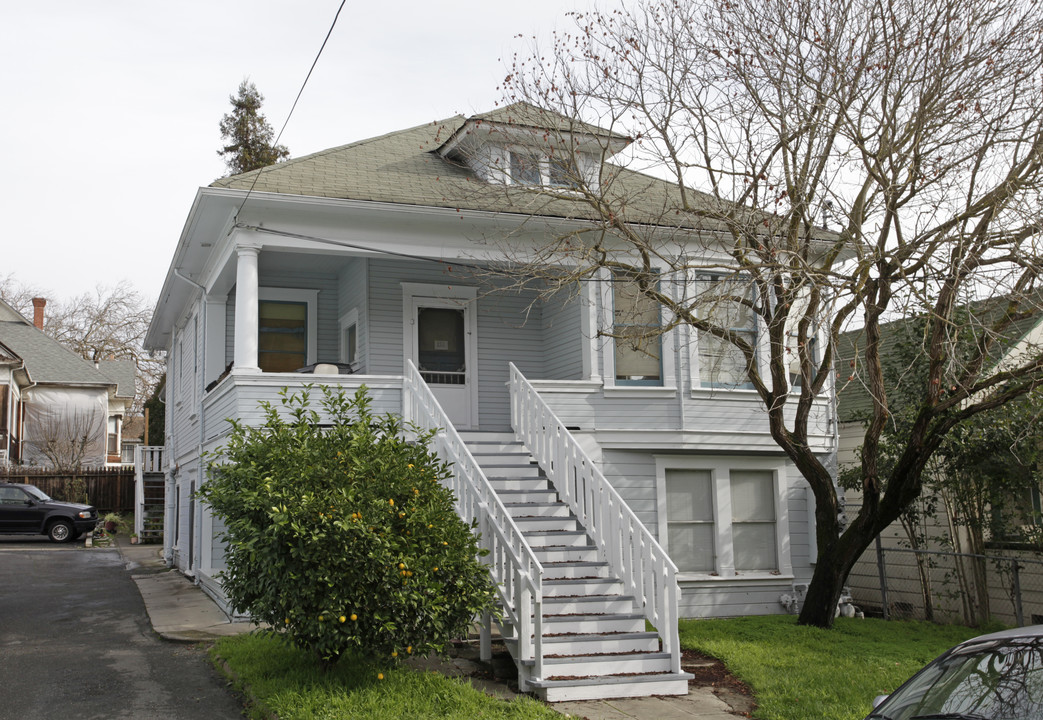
x=835, y=561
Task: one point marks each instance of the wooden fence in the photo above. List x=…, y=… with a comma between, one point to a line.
x=108, y=489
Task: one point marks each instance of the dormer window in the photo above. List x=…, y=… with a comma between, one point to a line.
x=525, y=168
x=527, y=146
x=532, y=169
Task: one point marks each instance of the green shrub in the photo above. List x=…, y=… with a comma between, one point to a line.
x=341, y=534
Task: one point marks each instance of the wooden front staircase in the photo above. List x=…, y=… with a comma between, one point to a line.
x=595, y=643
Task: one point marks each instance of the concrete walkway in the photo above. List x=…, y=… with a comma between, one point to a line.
x=180, y=611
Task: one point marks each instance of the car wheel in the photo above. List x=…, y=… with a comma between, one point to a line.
x=60, y=531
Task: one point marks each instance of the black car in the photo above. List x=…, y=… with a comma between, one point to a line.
x=27, y=510
x=992, y=677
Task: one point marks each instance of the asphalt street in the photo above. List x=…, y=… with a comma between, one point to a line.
x=76, y=642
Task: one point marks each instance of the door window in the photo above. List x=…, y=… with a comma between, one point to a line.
x=441, y=355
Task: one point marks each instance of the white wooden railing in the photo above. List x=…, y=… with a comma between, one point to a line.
x=515, y=570
x=646, y=570
x=148, y=459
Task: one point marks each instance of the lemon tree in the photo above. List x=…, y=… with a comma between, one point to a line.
x=339, y=532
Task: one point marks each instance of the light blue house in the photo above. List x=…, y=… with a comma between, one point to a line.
x=615, y=481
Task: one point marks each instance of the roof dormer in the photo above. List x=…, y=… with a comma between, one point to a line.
x=529, y=147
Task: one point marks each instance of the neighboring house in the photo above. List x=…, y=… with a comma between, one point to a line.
x=352, y=265
x=14, y=379
x=63, y=409
x=118, y=447
x=936, y=531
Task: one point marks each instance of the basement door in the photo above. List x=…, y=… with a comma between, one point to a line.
x=441, y=338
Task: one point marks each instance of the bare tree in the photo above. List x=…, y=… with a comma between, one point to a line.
x=66, y=439
x=107, y=324
x=910, y=127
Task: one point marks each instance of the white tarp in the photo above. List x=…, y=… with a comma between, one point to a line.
x=66, y=427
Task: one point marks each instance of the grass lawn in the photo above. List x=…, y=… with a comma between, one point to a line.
x=802, y=673
x=291, y=684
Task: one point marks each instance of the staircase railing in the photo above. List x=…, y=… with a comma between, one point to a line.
x=646, y=570
x=515, y=569
x=148, y=459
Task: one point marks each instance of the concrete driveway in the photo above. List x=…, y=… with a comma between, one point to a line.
x=75, y=642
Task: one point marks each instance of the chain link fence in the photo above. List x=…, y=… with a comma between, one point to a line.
x=950, y=587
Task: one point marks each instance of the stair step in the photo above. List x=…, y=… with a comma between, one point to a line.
x=621, y=642
x=611, y=686
x=587, y=604
x=536, y=524
x=582, y=586
x=526, y=495
x=607, y=664
x=556, y=570
x=529, y=483
x=538, y=538
x=536, y=509
x=511, y=472
x=566, y=553
x=593, y=623
x=476, y=436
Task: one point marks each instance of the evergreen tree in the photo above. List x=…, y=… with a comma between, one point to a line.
x=247, y=134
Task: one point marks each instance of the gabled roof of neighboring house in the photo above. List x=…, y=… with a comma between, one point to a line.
x=404, y=167
x=123, y=373
x=853, y=397
x=47, y=360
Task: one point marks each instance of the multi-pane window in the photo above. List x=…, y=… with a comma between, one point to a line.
x=719, y=520
x=727, y=305
x=282, y=335
x=525, y=168
x=690, y=524
x=636, y=327
x=753, y=520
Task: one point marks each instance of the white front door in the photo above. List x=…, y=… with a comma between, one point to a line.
x=441, y=338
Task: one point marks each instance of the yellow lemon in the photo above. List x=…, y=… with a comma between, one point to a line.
x=394, y=653
x=409, y=649
x=354, y=617
x=380, y=676
x=320, y=618
x=342, y=618
x=391, y=501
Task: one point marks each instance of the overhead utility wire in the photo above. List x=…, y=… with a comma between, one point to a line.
x=353, y=246
x=293, y=107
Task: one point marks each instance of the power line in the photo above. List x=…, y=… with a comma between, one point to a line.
x=293, y=107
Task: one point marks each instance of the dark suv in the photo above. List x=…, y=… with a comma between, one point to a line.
x=27, y=510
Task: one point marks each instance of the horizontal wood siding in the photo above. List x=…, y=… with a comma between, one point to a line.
x=562, y=338
x=505, y=334
x=241, y=397
x=729, y=423
x=632, y=474
x=728, y=598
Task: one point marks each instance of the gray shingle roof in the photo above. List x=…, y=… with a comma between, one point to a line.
x=853, y=397
x=403, y=167
x=47, y=360
x=123, y=373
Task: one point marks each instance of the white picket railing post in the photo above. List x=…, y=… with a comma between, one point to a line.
x=515, y=570
x=627, y=545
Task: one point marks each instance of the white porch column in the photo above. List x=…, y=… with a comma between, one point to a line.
x=214, y=338
x=246, y=309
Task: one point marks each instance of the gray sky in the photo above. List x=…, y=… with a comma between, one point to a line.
x=111, y=108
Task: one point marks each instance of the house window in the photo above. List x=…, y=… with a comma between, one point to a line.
x=114, y=436
x=525, y=168
x=722, y=516
x=727, y=304
x=690, y=525
x=561, y=174
x=349, y=338
x=636, y=328
x=282, y=335
x=796, y=378
x=753, y=520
